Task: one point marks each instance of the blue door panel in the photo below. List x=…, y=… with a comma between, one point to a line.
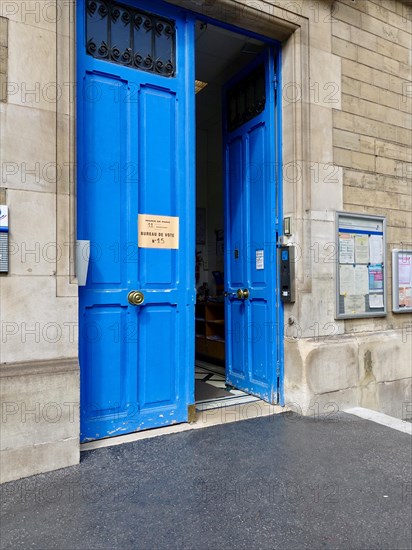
x=158, y=333
x=256, y=197
x=236, y=338
x=250, y=200
x=106, y=389
x=135, y=156
x=260, y=362
x=101, y=190
x=157, y=166
x=158, y=174
x=105, y=377
x=234, y=214
x=157, y=268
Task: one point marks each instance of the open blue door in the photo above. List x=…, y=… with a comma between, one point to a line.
x=135, y=162
x=252, y=346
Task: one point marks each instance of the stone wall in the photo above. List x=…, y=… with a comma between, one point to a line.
x=3, y=57
x=346, y=99
x=372, y=134
x=363, y=361
x=372, y=140
x=38, y=353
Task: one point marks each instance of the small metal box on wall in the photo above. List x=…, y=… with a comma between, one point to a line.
x=4, y=239
x=287, y=273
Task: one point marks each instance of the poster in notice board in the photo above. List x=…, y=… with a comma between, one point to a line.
x=401, y=281
x=360, y=274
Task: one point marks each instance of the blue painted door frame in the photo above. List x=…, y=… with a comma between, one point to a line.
x=252, y=227
x=136, y=155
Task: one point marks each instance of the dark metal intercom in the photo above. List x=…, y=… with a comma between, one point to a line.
x=287, y=273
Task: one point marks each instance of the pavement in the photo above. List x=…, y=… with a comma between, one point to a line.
x=280, y=481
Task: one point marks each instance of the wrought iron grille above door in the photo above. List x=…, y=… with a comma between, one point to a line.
x=131, y=37
x=246, y=99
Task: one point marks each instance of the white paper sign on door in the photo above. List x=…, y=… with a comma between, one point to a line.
x=260, y=259
x=158, y=231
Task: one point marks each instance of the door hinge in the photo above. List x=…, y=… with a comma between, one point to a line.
x=277, y=368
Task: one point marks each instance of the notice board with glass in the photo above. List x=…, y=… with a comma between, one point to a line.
x=360, y=273
x=401, y=280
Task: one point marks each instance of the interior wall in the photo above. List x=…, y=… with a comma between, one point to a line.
x=209, y=181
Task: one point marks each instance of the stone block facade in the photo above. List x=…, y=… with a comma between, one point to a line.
x=347, y=102
x=39, y=371
x=372, y=141
x=3, y=56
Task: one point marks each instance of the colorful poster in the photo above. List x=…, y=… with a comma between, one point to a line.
x=405, y=296
x=362, y=249
x=408, y=297
x=346, y=248
x=404, y=269
x=375, y=277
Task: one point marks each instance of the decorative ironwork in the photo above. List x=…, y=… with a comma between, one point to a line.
x=122, y=34
x=247, y=99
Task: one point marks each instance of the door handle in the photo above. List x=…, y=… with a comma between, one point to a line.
x=242, y=294
x=239, y=294
x=135, y=297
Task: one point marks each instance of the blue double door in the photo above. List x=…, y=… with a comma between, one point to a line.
x=136, y=204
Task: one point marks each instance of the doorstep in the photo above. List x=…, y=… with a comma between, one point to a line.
x=204, y=419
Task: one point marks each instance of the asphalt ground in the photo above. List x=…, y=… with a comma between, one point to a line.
x=273, y=482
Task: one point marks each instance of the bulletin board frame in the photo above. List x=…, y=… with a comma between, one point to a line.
x=360, y=266
x=397, y=284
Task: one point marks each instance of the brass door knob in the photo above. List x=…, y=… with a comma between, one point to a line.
x=135, y=297
x=242, y=294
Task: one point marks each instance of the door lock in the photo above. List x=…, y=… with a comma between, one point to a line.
x=135, y=297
